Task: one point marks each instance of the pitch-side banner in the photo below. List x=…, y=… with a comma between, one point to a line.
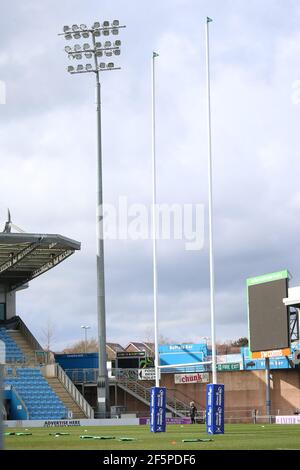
x=158, y=409
x=294, y=419
x=215, y=409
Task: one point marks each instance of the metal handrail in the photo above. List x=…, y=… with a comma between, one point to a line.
x=144, y=392
x=82, y=376
x=74, y=392
x=28, y=335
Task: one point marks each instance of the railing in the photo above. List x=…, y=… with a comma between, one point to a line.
x=128, y=377
x=90, y=376
x=39, y=353
x=83, y=376
x=136, y=388
x=28, y=335
x=14, y=360
x=74, y=392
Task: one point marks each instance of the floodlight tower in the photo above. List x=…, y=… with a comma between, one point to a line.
x=85, y=328
x=97, y=51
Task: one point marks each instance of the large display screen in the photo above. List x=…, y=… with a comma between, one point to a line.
x=268, y=316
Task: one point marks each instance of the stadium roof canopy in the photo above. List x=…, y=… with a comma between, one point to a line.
x=293, y=300
x=25, y=256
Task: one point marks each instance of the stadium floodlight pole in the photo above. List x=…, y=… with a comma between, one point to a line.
x=96, y=51
x=85, y=328
x=154, y=223
x=210, y=212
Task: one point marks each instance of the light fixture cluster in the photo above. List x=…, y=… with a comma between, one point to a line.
x=107, y=49
x=97, y=49
x=89, y=67
x=97, y=29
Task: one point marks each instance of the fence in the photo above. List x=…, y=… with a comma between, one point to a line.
x=74, y=392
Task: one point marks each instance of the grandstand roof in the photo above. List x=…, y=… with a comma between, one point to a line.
x=25, y=256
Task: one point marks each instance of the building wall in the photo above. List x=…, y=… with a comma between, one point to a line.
x=244, y=392
x=9, y=298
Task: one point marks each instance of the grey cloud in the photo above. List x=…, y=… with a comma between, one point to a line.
x=48, y=157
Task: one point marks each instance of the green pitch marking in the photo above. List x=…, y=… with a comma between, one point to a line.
x=197, y=440
x=96, y=437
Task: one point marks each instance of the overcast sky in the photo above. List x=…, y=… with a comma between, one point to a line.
x=48, y=157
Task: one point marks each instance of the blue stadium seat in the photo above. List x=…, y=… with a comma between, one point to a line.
x=38, y=396
x=12, y=351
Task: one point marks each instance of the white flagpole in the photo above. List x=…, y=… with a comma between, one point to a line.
x=210, y=206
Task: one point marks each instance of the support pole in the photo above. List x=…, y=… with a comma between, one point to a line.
x=102, y=383
x=210, y=212
x=154, y=224
x=268, y=390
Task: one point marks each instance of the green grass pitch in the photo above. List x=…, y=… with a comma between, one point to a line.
x=236, y=437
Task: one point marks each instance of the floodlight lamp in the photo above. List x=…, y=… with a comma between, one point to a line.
x=78, y=56
x=80, y=67
x=98, y=45
x=106, y=32
x=75, y=27
x=116, y=23
x=107, y=44
x=86, y=46
x=77, y=36
x=105, y=24
x=108, y=53
x=96, y=25
x=117, y=43
x=88, y=55
x=117, y=52
x=71, y=68
x=115, y=32
x=77, y=47
x=97, y=33
x=99, y=53
x=66, y=29
x=89, y=67
x=102, y=65
x=68, y=36
x=83, y=27
x=110, y=65
x=68, y=49
x=85, y=34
